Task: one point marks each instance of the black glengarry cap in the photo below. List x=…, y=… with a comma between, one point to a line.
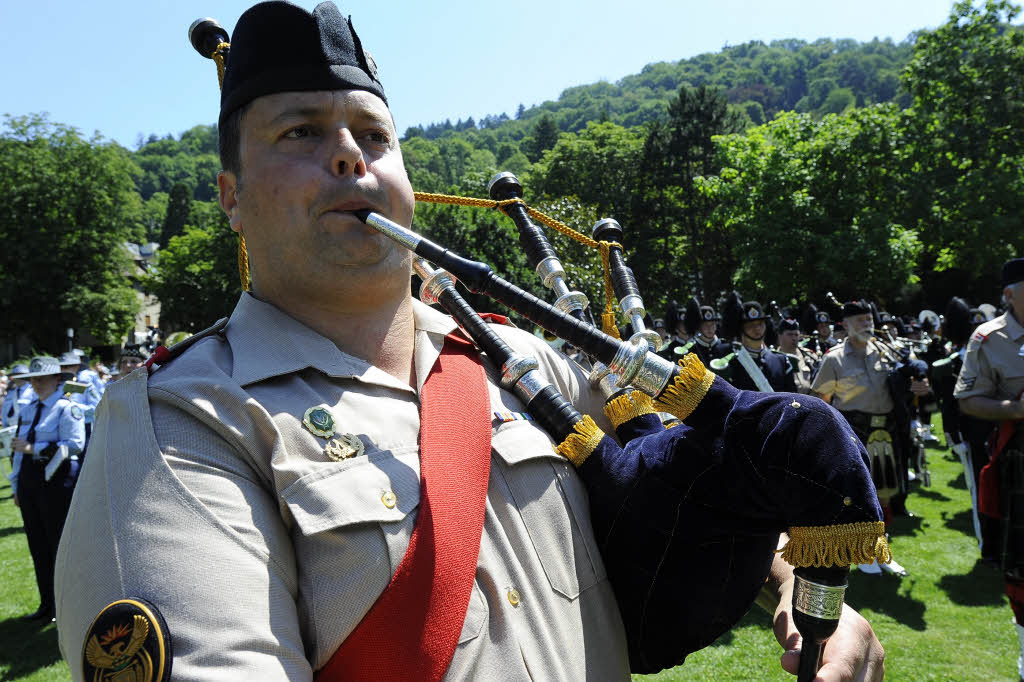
x=279, y=47
x=856, y=308
x=1013, y=271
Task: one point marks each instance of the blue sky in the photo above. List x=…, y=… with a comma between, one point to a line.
x=126, y=68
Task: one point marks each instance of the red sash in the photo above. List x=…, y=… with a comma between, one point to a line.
x=411, y=631
x=988, y=485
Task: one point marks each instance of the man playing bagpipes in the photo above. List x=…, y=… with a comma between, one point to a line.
x=991, y=387
x=334, y=483
x=856, y=378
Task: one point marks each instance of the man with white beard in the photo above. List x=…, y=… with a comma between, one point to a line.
x=853, y=378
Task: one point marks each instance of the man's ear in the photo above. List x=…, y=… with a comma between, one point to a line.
x=227, y=184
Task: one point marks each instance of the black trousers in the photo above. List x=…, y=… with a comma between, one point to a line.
x=44, y=507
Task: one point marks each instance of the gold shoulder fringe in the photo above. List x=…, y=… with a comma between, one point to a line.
x=844, y=545
x=687, y=390
x=578, y=446
x=628, y=406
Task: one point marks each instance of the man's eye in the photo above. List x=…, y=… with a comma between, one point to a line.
x=298, y=133
x=379, y=137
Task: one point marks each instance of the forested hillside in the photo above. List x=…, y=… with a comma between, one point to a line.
x=881, y=169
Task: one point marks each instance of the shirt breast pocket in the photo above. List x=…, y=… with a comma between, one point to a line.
x=354, y=521
x=553, y=504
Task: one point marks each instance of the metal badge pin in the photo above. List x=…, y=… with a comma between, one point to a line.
x=344, y=447
x=319, y=421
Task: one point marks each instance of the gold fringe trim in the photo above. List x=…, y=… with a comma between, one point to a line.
x=687, y=390
x=628, y=406
x=845, y=545
x=578, y=446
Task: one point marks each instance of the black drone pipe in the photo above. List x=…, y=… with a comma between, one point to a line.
x=634, y=365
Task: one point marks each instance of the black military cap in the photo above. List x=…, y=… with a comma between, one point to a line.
x=822, y=317
x=976, y=316
x=752, y=311
x=789, y=324
x=134, y=350
x=856, y=308
x=1013, y=271
x=279, y=47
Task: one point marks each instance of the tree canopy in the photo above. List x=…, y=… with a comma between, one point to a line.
x=786, y=169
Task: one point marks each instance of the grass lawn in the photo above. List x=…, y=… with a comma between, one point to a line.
x=949, y=620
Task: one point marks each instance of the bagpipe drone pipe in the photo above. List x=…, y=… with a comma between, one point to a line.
x=688, y=518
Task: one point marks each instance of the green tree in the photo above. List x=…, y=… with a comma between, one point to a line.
x=196, y=274
x=544, y=136
x=67, y=206
x=815, y=206
x=681, y=251
x=598, y=166
x=967, y=160
x=179, y=204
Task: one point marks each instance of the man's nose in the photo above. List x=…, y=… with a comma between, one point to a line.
x=346, y=155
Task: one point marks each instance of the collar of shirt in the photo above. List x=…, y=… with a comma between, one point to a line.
x=1013, y=328
x=267, y=342
x=707, y=344
x=50, y=401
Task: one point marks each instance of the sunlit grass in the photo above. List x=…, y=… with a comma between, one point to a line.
x=948, y=620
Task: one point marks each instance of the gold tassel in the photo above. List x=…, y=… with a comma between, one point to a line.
x=628, y=406
x=218, y=59
x=578, y=446
x=844, y=545
x=243, y=263
x=687, y=390
x=608, y=325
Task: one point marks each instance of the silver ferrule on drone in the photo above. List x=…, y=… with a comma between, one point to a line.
x=529, y=385
x=602, y=379
x=515, y=368
x=633, y=306
x=640, y=369
x=552, y=274
x=434, y=281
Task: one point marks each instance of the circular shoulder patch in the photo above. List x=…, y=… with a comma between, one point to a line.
x=76, y=412
x=128, y=640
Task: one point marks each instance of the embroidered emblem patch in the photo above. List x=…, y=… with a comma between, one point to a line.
x=708, y=314
x=319, y=421
x=128, y=640
x=76, y=412
x=348, y=445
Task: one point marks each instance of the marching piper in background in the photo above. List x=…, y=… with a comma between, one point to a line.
x=991, y=387
x=854, y=378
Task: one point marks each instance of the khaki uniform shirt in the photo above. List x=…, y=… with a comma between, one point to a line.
x=802, y=375
x=993, y=366
x=213, y=502
x=855, y=379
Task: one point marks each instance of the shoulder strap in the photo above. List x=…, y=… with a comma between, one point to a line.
x=162, y=355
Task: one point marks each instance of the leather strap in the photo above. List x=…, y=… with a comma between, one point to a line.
x=411, y=631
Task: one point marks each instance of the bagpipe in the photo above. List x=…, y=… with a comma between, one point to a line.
x=687, y=518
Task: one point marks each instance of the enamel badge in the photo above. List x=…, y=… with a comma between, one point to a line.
x=348, y=445
x=127, y=641
x=319, y=421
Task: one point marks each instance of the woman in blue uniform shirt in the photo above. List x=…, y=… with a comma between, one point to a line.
x=51, y=436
